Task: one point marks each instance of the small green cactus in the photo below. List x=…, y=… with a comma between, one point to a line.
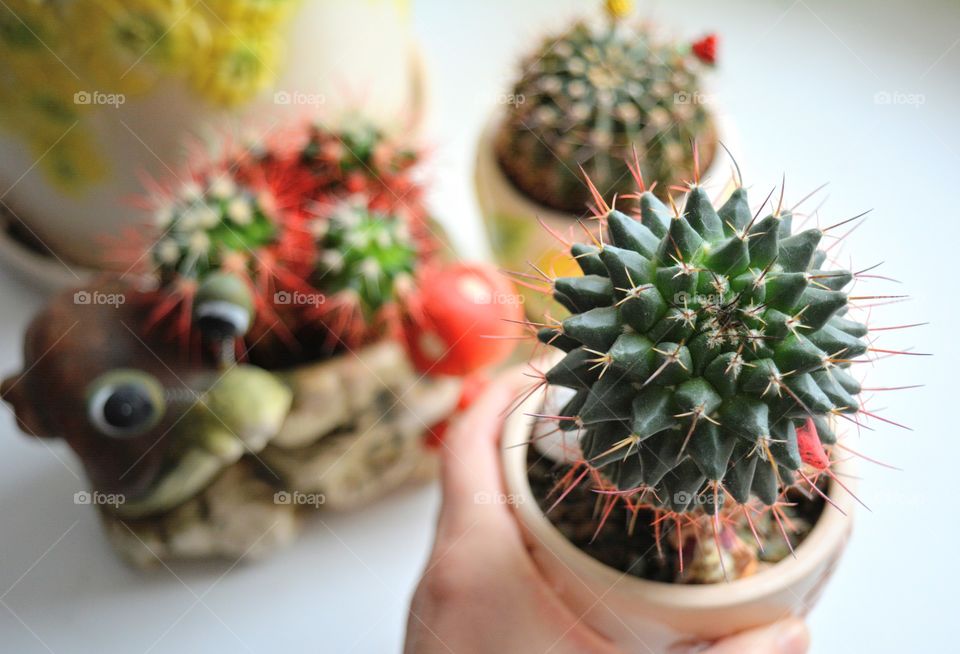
x=210, y=221
x=312, y=236
x=589, y=98
x=704, y=347
x=364, y=254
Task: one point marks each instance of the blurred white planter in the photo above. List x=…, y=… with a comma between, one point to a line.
x=646, y=616
x=338, y=56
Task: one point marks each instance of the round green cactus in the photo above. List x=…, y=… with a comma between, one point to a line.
x=209, y=221
x=589, y=98
x=700, y=344
x=365, y=254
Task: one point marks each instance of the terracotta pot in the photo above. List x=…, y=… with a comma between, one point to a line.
x=511, y=218
x=646, y=616
x=323, y=64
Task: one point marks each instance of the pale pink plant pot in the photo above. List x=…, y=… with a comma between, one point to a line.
x=646, y=616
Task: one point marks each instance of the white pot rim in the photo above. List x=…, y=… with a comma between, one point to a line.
x=48, y=273
x=826, y=538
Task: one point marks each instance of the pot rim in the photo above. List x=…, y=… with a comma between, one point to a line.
x=824, y=539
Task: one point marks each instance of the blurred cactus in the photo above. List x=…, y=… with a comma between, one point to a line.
x=365, y=262
x=213, y=226
x=357, y=157
x=208, y=224
x=325, y=227
x=593, y=94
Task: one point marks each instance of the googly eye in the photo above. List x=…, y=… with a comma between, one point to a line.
x=125, y=403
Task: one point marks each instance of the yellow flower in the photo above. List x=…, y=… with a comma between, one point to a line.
x=43, y=100
x=126, y=47
x=239, y=66
x=619, y=8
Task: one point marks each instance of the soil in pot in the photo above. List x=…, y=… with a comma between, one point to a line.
x=636, y=552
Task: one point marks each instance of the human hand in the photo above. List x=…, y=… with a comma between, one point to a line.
x=481, y=591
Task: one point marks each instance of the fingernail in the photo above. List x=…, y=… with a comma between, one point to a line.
x=793, y=637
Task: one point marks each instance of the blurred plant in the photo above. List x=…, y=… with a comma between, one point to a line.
x=326, y=230
x=360, y=158
x=593, y=94
x=365, y=264
x=359, y=187
x=58, y=54
x=212, y=225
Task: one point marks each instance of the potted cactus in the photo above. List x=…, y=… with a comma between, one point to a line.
x=595, y=97
x=116, y=99
x=686, y=464
x=289, y=336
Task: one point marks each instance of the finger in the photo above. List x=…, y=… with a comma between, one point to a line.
x=787, y=637
x=471, y=477
x=470, y=454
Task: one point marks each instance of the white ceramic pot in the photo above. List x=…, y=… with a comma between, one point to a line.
x=331, y=56
x=646, y=616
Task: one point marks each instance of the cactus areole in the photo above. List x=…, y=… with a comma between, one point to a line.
x=700, y=344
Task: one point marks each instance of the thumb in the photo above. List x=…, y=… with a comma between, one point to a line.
x=787, y=637
x=471, y=477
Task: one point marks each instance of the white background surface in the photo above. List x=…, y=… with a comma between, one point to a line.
x=800, y=80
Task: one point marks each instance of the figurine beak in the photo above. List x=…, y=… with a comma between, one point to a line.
x=6, y=388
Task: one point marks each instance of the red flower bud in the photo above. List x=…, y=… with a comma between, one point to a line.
x=706, y=49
